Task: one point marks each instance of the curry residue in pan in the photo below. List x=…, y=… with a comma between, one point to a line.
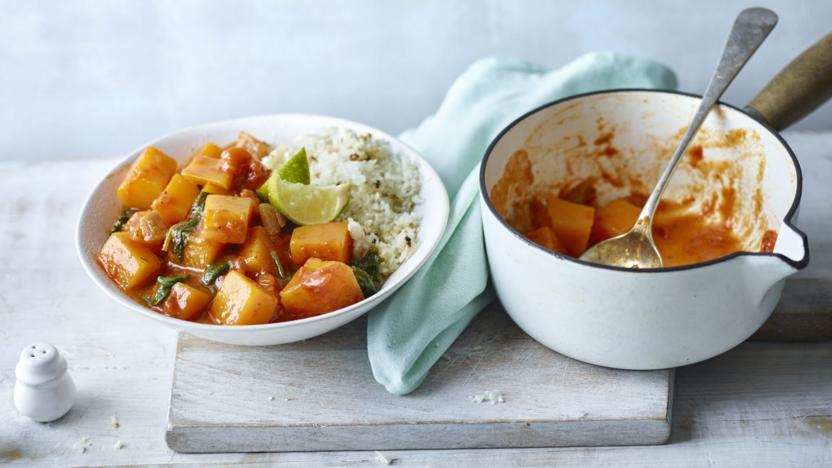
x=571, y=215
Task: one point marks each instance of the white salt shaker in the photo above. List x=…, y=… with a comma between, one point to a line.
x=44, y=391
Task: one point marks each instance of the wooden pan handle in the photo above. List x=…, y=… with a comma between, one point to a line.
x=798, y=89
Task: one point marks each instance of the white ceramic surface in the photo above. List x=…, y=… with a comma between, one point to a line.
x=642, y=319
x=43, y=391
x=102, y=207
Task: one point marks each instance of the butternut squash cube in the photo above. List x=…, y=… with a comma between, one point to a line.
x=319, y=287
x=236, y=159
x=256, y=254
x=613, y=219
x=571, y=222
x=186, y=302
x=204, y=170
x=216, y=189
x=241, y=301
x=226, y=218
x=255, y=147
x=211, y=150
x=330, y=241
x=175, y=201
x=147, y=227
x=128, y=263
x=545, y=237
x=146, y=179
x=200, y=252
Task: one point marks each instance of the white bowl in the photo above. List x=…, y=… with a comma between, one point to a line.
x=102, y=207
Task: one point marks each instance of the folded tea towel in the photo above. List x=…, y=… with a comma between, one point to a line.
x=410, y=331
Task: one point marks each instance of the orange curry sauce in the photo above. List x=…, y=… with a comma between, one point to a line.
x=682, y=238
x=194, y=276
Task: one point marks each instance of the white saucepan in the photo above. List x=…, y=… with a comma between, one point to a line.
x=653, y=318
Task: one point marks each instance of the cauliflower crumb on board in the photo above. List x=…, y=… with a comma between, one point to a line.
x=489, y=396
x=383, y=459
x=82, y=445
x=384, y=189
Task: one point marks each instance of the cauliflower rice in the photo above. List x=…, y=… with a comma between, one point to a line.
x=384, y=189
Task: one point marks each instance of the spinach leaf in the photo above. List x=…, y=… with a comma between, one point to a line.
x=369, y=263
x=367, y=273
x=199, y=206
x=122, y=220
x=365, y=282
x=281, y=271
x=178, y=233
x=214, y=271
x=163, y=287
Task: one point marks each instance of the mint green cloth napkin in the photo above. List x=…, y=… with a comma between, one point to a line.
x=409, y=332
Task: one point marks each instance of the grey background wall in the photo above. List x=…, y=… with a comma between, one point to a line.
x=86, y=79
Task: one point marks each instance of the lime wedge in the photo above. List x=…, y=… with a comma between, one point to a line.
x=288, y=189
x=307, y=204
x=296, y=169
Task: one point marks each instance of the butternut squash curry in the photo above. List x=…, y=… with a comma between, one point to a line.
x=571, y=221
x=201, y=244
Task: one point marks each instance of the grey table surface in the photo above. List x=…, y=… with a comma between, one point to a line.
x=760, y=404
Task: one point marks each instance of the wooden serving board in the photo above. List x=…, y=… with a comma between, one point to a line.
x=320, y=395
x=324, y=396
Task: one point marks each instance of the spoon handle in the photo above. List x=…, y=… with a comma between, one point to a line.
x=750, y=29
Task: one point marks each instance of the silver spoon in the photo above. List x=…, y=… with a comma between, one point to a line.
x=636, y=249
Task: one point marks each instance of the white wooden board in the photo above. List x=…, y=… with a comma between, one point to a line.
x=320, y=395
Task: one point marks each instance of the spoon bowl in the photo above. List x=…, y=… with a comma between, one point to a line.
x=633, y=249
